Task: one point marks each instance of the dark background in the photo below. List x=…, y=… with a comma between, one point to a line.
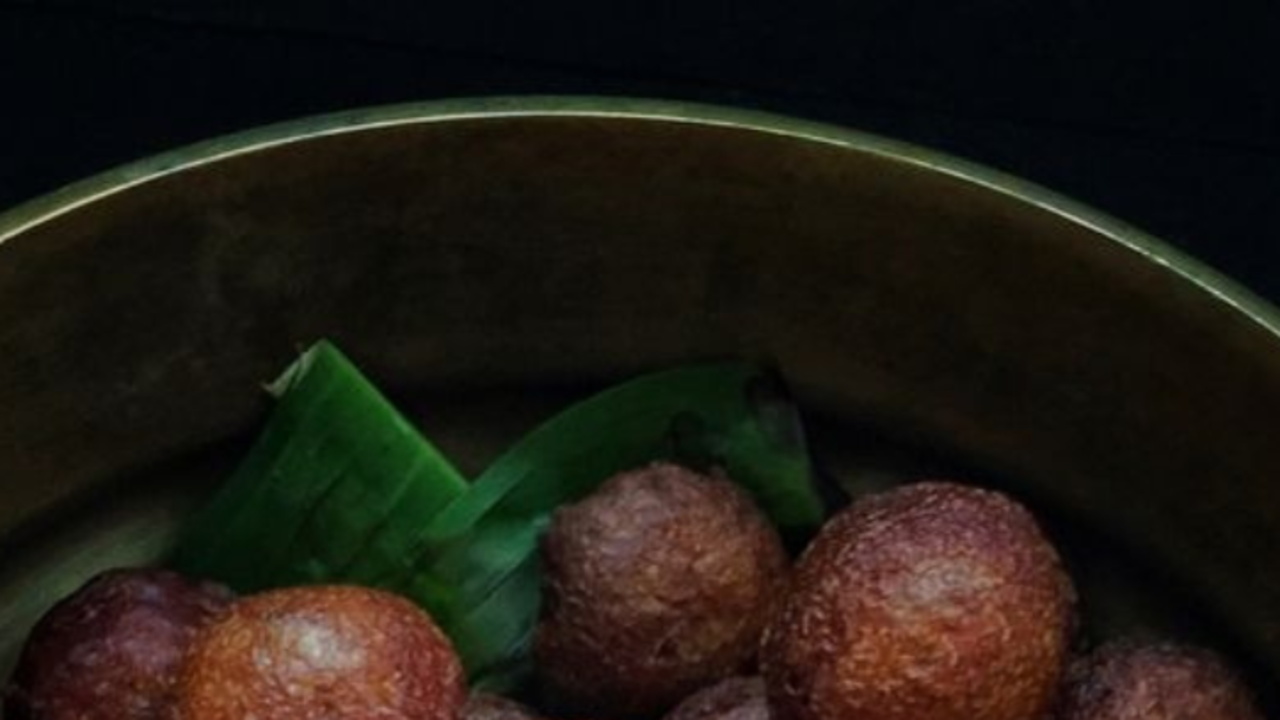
x=1166, y=116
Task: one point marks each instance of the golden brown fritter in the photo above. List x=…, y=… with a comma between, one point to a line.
x=658, y=584
x=485, y=706
x=322, y=653
x=933, y=601
x=112, y=650
x=1129, y=680
x=737, y=698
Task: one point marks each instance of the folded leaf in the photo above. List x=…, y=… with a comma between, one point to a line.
x=338, y=484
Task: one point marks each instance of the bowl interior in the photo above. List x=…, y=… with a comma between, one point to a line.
x=488, y=267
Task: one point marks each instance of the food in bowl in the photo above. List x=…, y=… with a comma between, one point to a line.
x=735, y=698
x=1131, y=678
x=656, y=585
x=113, y=649
x=487, y=706
x=932, y=601
x=320, y=652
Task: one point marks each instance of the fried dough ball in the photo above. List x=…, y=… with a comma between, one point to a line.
x=738, y=698
x=656, y=585
x=1129, y=680
x=486, y=706
x=322, y=653
x=113, y=649
x=933, y=601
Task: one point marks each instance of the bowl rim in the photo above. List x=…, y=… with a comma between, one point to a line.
x=67, y=199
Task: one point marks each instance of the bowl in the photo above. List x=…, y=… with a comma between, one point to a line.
x=487, y=260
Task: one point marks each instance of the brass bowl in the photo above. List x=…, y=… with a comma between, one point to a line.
x=486, y=260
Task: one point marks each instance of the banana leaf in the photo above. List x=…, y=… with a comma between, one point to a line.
x=338, y=482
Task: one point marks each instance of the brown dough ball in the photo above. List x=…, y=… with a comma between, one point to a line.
x=112, y=650
x=933, y=601
x=738, y=698
x=322, y=653
x=485, y=706
x=658, y=584
x=1128, y=680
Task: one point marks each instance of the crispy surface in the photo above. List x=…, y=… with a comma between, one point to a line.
x=737, y=698
x=1128, y=680
x=322, y=653
x=933, y=601
x=112, y=650
x=657, y=585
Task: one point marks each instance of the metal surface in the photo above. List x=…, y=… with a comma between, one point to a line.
x=476, y=253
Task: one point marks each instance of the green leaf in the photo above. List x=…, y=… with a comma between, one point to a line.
x=483, y=547
x=337, y=486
